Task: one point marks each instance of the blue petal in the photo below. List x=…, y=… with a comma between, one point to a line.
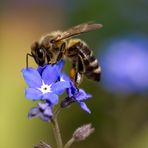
x=43, y=111
x=68, y=90
x=48, y=111
x=33, y=112
x=72, y=90
x=59, y=66
x=44, y=117
x=59, y=87
x=42, y=105
x=65, y=77
x=33, y=94
x=40, y=69
x=32, y=77
x=84, y=107
x=82, y=95
x=51, y=97
x=50, y=74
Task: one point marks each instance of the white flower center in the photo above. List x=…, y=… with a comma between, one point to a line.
x=45, y=88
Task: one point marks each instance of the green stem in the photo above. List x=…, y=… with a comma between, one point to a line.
x=69, y=143
x=57, y=112
x=57, y=133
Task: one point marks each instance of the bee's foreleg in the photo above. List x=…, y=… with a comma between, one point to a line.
x=27, y=55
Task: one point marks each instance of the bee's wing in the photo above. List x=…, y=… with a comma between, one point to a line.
x=86, y=27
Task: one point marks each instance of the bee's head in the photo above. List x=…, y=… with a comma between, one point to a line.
x=54, y=49
x=39, y=54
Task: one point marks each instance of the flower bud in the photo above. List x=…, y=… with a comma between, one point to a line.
x=83, y=132
x=42, y=145
x=67, y=102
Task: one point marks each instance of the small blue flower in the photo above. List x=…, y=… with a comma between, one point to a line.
x=43, y=111
x=45, y=83
x=124, y=63
x=77, y=95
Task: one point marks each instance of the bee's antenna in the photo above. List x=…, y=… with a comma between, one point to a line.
x=27, y=55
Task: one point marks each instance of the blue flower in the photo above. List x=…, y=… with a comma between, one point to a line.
x=124, y=64
x=45, y=83
x=43, y=111
x=76, y=95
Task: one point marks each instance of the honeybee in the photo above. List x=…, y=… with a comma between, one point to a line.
x=59, y=45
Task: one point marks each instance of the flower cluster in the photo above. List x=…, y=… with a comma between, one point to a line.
x=46, y=84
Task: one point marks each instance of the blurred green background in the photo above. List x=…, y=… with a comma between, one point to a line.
x=120, y=120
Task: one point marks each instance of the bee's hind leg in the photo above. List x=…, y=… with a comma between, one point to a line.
x=76, y=74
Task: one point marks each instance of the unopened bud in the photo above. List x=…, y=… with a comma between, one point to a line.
x=67, y=102
x=42, y=145
x=83, y=132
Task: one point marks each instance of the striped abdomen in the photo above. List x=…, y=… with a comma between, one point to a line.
x=91, y=67
x=87, y=64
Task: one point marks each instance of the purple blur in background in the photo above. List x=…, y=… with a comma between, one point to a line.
x=124, y=62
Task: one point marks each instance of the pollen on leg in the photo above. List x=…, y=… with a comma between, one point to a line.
x=72, y=73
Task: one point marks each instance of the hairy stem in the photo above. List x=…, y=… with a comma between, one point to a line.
x=57, y=112
x=69, y=143
x=57, y=133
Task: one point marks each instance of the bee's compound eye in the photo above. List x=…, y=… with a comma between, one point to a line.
x=40, y=53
